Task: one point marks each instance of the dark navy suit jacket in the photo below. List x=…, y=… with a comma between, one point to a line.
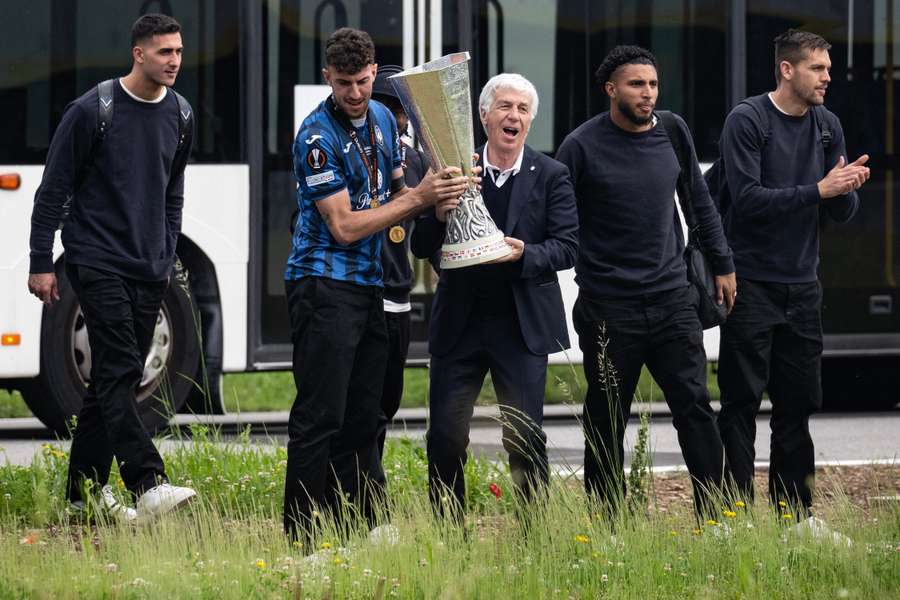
x=541, y=213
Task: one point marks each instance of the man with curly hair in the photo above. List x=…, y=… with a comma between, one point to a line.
x=635, y=306
x=348, y=166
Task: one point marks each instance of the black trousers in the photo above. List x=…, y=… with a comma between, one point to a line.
x=492, y=344
x=772, y=340
x=662, y=331
x=120, y=315
x=340, y=349
x=392, y=391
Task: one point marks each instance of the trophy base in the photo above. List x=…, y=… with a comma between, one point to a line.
x=482, y=250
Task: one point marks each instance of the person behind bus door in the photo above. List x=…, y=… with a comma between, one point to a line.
x=347, y=163
x=635, y=306
x=120, y=239
x=397, y=272
x=504, y=317
x=779, y=172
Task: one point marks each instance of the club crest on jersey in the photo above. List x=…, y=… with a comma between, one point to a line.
x=378, y=135
x=316, y=158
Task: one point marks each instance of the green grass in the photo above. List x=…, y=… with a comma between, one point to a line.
x=12, y=405
x=229, y=545
x=565, y=384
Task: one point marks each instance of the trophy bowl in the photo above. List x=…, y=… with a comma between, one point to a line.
x=436, y=97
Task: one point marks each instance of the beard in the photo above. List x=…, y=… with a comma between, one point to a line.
x=632, y=116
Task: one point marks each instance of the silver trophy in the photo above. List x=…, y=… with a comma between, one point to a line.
x=436, y=98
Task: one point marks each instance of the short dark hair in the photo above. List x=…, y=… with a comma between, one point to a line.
x=623, y=55
x=349, y=50
x=152, y=24
x=793, y=46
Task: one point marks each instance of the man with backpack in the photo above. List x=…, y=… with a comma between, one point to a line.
x=783, y=157
x=635, y=305
x=124, y=177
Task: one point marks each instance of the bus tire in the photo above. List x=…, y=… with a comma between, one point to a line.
x=56, y=395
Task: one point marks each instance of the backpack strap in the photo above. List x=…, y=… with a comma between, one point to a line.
x=104, y=107
x=185, y=114
x=685, y=177
x=824, y=127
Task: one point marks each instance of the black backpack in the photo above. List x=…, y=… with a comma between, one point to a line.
x=105, y=106
x=715, y=175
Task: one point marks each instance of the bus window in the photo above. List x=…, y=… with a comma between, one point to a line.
x=55, y=51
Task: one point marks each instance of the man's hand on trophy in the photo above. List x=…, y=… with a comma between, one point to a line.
x=443, y=208
x=517, y=248
x=446, y=183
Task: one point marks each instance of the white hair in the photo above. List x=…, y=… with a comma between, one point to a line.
x=510, y=81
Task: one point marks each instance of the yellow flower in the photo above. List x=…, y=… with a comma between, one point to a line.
x=326, y=546
x=120, y=484
x=696, y=532
x=673, y=533
x=260, y=564
x=337, y=560
x=730, y=514
x=787, y=516
x=782, y=503
x=582, y=539
x=596, y=554
x=740, y=504
x=712, y=522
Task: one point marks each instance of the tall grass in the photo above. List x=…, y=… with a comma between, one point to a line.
x=230, y=544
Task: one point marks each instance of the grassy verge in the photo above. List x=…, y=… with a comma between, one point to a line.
x=565, y=384
x=229, y=545
x=12, y=405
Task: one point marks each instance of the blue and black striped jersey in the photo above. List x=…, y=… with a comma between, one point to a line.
x=327, y=161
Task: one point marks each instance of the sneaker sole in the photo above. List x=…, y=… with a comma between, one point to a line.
x=151, y=518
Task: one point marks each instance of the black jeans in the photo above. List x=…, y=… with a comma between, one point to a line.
x=120, y=315
x=340, y=349
x=772, y=339
x=662, y=331
x=392, y=392
x=492, y=344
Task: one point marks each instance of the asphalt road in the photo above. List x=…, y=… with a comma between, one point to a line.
x=839, y=438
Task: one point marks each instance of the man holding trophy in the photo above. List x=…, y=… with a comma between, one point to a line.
x=503, y=313
x=348, y=166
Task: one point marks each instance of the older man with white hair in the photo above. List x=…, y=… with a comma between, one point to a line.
x=504, y=317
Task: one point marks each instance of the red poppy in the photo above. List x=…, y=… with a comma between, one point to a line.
x=495, y=490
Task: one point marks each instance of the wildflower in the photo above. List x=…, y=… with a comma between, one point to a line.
x=696, y=532
x=582, y=539
x=337, y=560
x=782, y=503
x=712, y=522
x=139, y=582
x=710, y=577
x=423, y=562
x=495, y=490
x=729, y=514
x=740, y=504
x=112, y=568
x=604, y=578
x=673, y=533
x=596, y=554
x=260, y=564
x=326, y=546
x=367, y=572
x=787, y=516
x=843, y=593
x=120, y=484
x=31, y=538
x=7, y=497
x=667, y=567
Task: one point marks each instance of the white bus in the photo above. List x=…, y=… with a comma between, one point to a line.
x=248, y=65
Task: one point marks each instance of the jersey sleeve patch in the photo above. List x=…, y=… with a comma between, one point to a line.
x=320, y=178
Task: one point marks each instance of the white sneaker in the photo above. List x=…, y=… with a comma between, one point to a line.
x=161, y=499
x=384, y=535
x=817, y=529
x=118, y=511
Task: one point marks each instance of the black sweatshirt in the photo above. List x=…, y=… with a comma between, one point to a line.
x=630, y=236
x=773, y=162
x=397, y=274
x=125, y=215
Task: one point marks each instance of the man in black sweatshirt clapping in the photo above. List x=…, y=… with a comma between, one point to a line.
x=634, y=305
x=784, y=157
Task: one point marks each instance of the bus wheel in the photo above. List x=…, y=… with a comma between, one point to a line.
x=55, y=396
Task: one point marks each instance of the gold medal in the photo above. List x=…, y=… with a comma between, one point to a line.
x=375, y=203
x=397, y=234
